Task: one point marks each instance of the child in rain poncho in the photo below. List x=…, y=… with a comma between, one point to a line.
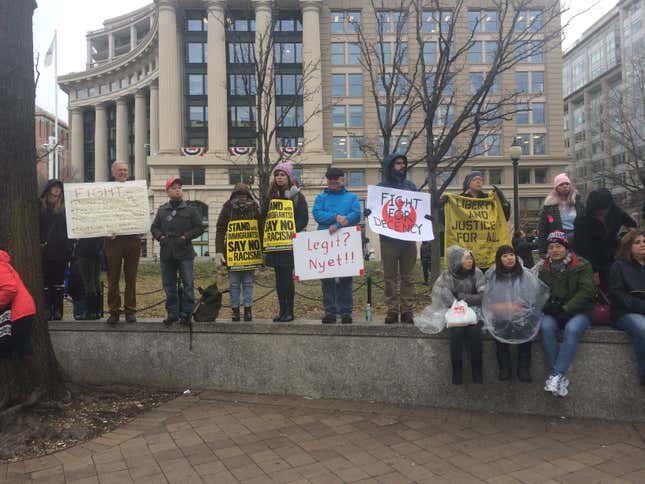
x=460, y=281
x=512, y=308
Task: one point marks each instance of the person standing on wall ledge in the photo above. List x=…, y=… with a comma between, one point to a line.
x=334, y=209
x=122, y=251
x=175, y=226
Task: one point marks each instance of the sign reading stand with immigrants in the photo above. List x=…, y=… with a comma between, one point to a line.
x=243, y=247
x=105, y=208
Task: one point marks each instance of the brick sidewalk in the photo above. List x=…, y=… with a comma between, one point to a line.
x=229, y=438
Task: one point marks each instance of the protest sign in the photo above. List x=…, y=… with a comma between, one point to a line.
x=322, y=255
x=280, y=226
x=243, y=248
x=106, y=208
x=399, y=214
x=478, y=224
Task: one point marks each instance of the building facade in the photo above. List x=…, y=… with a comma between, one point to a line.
x=166, y=89
x=45, y=127
x=595, y=96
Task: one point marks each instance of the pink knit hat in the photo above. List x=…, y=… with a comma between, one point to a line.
x=285, y=167
x=560, y=179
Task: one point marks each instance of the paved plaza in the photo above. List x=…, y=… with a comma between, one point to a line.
x=230, y=438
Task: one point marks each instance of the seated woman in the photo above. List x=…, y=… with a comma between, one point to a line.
x=461, y=281
x=627, y=293
x=571, y=281
x=512, y=308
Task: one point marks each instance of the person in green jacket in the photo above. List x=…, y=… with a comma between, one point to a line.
x=570, y=279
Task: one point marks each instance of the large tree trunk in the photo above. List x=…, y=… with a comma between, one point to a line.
x=19, y=228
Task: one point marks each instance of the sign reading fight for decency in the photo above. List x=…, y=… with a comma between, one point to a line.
x=106, y=208
x=243, y=248
x=399, y=214
x=321, y=255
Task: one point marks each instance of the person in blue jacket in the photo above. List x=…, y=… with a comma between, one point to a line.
x=334, y=209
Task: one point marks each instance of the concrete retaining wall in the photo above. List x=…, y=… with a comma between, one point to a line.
x=393, y=364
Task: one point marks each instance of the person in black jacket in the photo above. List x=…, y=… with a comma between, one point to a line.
x=285, y=187
x=524, y=247
x=56, y=247
x=627, y=293
x=175, y=226
x=597, y=233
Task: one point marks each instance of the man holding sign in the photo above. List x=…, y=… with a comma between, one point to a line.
x=237, y=242
x=336, y=208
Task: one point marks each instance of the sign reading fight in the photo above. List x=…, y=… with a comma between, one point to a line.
x=478, y=224
x=321, y=255
x=243, y=248
x=279, y=227
x=105, y=208
x=399, y=214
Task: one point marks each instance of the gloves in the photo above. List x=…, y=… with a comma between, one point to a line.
x=367, y=212
x=220, y=259
x=553, y=308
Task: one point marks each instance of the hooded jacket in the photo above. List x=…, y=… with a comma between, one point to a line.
x=185, y=221
x=53, y=228
x=13, y=293
x=549, y=220
x=627, y=288
x=233, y=209
x=391, y=180
x=455, y=283
x=329, y=204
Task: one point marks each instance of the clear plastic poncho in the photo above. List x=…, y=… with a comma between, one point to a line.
x=512, y=306
x=432, y=319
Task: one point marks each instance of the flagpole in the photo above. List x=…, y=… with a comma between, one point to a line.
x=56, y=167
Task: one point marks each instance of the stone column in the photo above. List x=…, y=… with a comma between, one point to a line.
x=217, y=93
x=78, y=155
x=263, y=14
x=311, y=65
x=154, y=119
x=170, y=125
x=100, y=144
x=133, y=36
x=122, y=129
x=88, y=61
x=110, y=46
x=140, y=136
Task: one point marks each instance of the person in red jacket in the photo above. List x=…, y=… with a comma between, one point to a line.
x=17, y=310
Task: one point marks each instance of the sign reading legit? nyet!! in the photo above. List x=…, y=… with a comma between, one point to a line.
x=321, y=255
x=399, y=214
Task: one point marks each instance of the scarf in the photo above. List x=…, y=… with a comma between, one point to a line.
x=561, y=266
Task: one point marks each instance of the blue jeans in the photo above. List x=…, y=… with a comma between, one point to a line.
x=241, y=280
x=560, y=361
x=634, y=325
x=169, y=269
x=337, y=296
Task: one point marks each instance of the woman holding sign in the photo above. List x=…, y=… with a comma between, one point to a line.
x=237, y=242
x=284, y=214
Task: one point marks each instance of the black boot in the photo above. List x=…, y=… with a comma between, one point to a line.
x=504, y=361
x=248, y=313
x=524, y=363
x=57, y=302
x=476, y=366
x=48, y=303
x=236, y=314
x=288, y=311
x=278, y=318
x=457, y=372
x=92, y=311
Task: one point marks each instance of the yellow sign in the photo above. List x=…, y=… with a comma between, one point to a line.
x=243, y=249
x=477, y=224
x=279, y=226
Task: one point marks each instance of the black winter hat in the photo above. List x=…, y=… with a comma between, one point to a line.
x=334, y=172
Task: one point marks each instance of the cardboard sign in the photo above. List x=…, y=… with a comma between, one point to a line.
x=477, y=224
x=243, y=248
x=321, y=255
x=105, y=208
x=399, y=214
x=279, y=226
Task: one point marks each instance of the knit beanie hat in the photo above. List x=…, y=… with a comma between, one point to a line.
x=560, y=179
x=285, y=167
x=470, y=176
x=558, y=237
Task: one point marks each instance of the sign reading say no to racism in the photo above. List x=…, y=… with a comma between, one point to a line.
x=399, y=214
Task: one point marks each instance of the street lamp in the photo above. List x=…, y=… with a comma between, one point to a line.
x=516, y=154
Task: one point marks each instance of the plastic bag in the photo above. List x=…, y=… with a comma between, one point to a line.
x=432, y=319
x=460, y=314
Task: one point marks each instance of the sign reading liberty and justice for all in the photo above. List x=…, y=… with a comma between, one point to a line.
x=106, y=208
x=399, y=214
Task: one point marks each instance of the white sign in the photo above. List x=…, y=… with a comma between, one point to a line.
x=321, y=255
x=105, y=208
x=399, y=214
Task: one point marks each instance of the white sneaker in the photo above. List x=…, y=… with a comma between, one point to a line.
x=563, y=386
x=552, y=383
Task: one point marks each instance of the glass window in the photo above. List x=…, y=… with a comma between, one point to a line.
x=476, y=81
x=446, y=21
x=540, y=175
x=474, y=20
x=337, y=53
x=523, y=140
x=385, y=53
x=195, y=52
x=494, y=146
x=383, y=21
x=430, y=52
x=240, y=52
x=537, y=51
x=338, y=84
x=537, y=82
x=114, y=86
x=537, y=109
x=194, y=25
x=525, y=176
x=196, y=84
x=103, y=89
x=353, y=20
x=355, y=116
x=197, y=116
x=337, y=20
x=338, y=116
x=340, y=147
x=491, y=50
x=241, y=175
x=495, y=176
x=356, y=147
x=490, y=21
x=475, y=53
x=242, y=84
x=80, y=93
x=353, y=53
x=522, y=81
x=539, y=144
x=91, y=91
x=355, y=85
x=522, y=114
x=297, y=174
x=534, y=20
x=192, y=176
x=429, y=22
x=124, y=82
x=357, y=178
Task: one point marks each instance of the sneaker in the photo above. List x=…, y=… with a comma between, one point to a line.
x=392, y=318
x=130, y=318
x=329, y=319
x=557, y=385
x=113, y=318
x=170, y=320
x=346, y=320
x=563, y=386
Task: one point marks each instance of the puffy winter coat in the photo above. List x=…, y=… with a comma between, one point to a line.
x=233, y=209
x=330, y=203
x=574, y=286
x=13, y=293
x=627, y=288
x=53, y=229
x=549, y=220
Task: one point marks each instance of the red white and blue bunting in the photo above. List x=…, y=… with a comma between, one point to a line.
x=241, y=150
x=192, y=151
x=289, y=150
